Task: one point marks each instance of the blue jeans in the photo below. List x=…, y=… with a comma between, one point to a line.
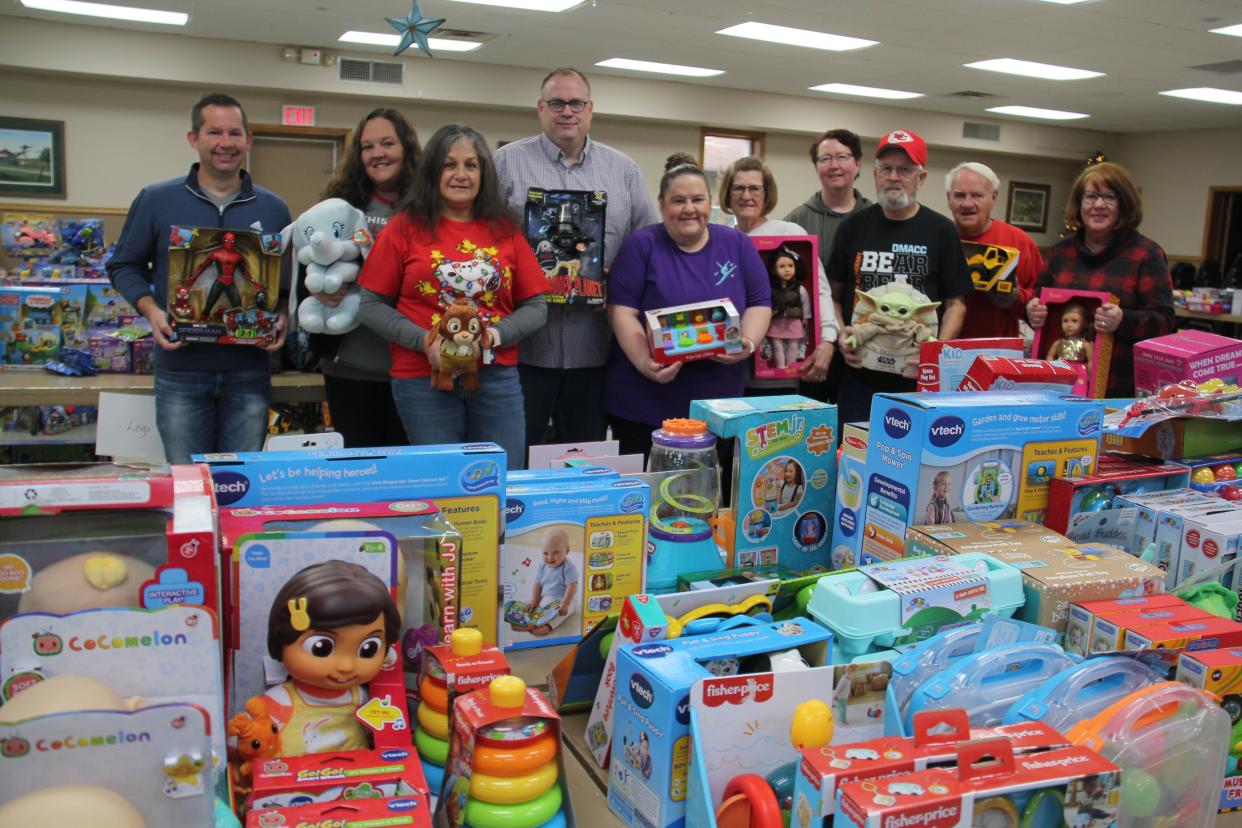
x=494, y=412
x=198, y=412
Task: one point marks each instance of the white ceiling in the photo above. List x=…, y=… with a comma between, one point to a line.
x=1142, y=46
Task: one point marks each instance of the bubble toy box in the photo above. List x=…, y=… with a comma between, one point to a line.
x=784, y=478
x=969, y=457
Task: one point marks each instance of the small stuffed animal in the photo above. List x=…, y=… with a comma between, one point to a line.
x=457, y=335
x=330, y=238
x=258, y=737
x=889, y=323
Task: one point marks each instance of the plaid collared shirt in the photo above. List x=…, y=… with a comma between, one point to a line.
x=576, y=336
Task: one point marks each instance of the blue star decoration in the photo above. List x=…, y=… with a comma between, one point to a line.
x=414, y=28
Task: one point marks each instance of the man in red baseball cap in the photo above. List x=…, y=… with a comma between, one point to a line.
x=895, y=248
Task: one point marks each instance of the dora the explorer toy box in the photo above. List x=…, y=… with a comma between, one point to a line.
x=973, y=456
x=784, y=478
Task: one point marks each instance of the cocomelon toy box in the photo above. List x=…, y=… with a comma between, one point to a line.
x=792, y=263
x=565, y=228
x=1069, y=334
x=573, y=550
x=969, y=457
x=464, y=482
x=1185, y=355
x=223, y=285
x=695, y=331
x=30, y=325
x=944, y=362
x=783, y=478
x=647, y=780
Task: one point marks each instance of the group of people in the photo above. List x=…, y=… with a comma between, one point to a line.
x=445, y=218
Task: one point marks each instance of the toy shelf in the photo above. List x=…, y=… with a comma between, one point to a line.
x=43, y=388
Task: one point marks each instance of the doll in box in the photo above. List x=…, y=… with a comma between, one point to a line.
x=791, y=307
x=333, y=626
x=1074, y=345
x=91, y=580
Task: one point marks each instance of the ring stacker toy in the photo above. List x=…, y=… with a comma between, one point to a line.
x=683, y=503
x=988, y=683
x=919, y=664
x=1171, y=742
x=1082, y=691
x=504, y=768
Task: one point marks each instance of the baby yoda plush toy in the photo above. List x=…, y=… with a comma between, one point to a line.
x=890, y=321
x=331, y=239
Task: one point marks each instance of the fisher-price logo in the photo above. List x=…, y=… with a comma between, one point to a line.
x=896, y=423
x=230, y=487
x=946, y=431
x=641, y=692
x=941, y=815
x=737, y=689
x=775, y=435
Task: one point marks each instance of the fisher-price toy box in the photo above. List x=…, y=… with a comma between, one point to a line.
x=573, y=550
x=779, y=439
x=1069, y=496
x=847, y=512
x=943, y=363
x=648, y=775
x=466, y=484
x=981, y=456
x=1185, y=355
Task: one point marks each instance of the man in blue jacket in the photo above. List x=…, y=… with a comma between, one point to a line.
x=208, y=398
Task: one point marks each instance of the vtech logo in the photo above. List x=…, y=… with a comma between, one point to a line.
x=399, y=805
x=230, y=487
x=394, y=754
x=682, y=712
x=896, y=423
x=640, y=691
x=651, y=651
x=946, y=431
x=513, y=509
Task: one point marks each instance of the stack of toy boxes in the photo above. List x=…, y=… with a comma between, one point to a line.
x=1178, y=438
x=943, y=363
x=1055, y=572
x=1192, y=531
x=1219, y=672
x=1070, y=496
x=575, y=546
x=1185, y=355
x=647, y=780
x=465, y=483
x=30, y=324
x=411, y=810
x=1112, y=614
x=847, y=514
x=989, y=373
x=784, y=444
x=968, y=457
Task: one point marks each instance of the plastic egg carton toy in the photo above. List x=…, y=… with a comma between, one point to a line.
x=903, y=601
x=1214, y=472
x=695, y=331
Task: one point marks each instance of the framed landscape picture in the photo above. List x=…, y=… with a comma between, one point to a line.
x=1028, y=206
x=32, y=158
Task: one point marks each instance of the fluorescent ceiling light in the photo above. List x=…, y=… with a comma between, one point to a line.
x=1036, y=112
x=381, y=39
x=1030, y=69
x=1236, y=31
x=528, y=5
x=797, y=37
x=1207, y=93
x=1065, y=2
x=130, y=13
x=659, y=68
x=865, y=91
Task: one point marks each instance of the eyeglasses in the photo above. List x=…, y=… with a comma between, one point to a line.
x=903, y=170
x=558, y=104
x=1107, y=199
x=744, y=189
x=840, y=158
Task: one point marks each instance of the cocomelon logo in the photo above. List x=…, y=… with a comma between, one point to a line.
x=775, y=435
x=514, y=509
x=230, y=487
x=484, y=474
x=896, y=423
x=48, y=643
x=15, y=747
x=946, y=431
x=641, y=692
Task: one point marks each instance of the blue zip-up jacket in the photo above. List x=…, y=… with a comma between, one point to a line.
x=139, y=267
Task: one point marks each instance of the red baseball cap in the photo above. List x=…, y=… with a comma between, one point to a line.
x=906, y=141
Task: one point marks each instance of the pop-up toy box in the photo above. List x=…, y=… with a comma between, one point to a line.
x=223, y=285
x=699, y=330
x=465, y=483
x=647, y=780
x=320, y=778
x=969, y=457
x=573, y=550
x=411, y=811
x=784, y=477
x=565, y=228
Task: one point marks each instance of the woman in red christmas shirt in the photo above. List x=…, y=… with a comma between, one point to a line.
x=1107, y=253
x=455, y=238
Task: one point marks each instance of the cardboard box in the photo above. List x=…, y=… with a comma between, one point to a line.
x=355, y=813
x=1093, y=372
x=565, y=229
x=109, y=354
x=30, y=325
x=776, y=436
x=848, y=509
x=230, y=304
x=1178, y=438
x=1110, y=629
x=970, y=457
x=331, y=777
x=1068, y=496
x=699, y=330
x=944, y=362
x=1185, y=355
x=1210, y=633
x=997, y=373
x=1081, y=624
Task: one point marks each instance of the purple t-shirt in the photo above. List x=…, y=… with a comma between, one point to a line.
x=652, y=272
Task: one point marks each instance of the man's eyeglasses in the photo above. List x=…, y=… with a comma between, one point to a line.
x=1108, y=199
x=558, y=104
x=903, y=170
x=840, y=158
x=743, y=189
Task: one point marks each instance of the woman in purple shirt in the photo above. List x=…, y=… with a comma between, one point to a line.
x=681, y=260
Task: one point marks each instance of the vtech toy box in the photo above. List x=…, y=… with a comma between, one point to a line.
x=981, y=456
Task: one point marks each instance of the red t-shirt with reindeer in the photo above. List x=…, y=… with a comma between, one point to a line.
x=427, y=271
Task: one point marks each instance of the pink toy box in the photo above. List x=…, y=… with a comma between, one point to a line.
x=780, y=354
x=1093, y=374
x=1185, y=355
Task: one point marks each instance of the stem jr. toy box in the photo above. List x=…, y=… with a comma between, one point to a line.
x=223, y=285
x=981, y=456
x=783, y=477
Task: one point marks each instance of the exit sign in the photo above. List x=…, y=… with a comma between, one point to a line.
x=298, y=116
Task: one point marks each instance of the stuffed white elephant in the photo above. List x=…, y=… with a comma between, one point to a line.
x=331, y=239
